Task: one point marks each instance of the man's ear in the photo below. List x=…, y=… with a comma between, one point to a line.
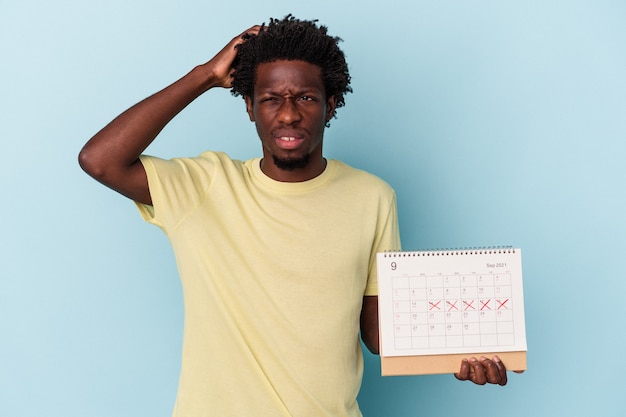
x=249, y=108
x=331, y=106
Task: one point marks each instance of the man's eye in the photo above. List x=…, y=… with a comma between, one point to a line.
x=307, y=98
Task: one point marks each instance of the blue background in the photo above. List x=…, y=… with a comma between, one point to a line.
x=498, y=123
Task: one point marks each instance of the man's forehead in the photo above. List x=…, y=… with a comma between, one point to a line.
x=288, y=72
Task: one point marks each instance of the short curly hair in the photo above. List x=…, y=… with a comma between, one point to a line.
x=294, y=40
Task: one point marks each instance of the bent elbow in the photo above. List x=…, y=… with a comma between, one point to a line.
x=89, y=163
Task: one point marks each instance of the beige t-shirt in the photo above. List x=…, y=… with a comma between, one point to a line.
x=273, y=278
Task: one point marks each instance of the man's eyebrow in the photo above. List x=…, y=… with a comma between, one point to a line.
x=307, y=90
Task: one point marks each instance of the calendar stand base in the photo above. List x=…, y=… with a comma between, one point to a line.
x=444, y=364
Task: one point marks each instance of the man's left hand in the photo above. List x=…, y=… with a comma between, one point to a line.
x=482, y=371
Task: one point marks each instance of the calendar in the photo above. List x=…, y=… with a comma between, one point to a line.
x=437, y=307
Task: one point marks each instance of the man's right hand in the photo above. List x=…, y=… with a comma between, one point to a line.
x=221, y=64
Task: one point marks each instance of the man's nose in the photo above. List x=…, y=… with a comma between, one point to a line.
x=289, y=112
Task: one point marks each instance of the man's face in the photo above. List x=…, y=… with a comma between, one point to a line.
x=290, y=109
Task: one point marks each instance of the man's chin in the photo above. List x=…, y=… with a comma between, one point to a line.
x=292, y=164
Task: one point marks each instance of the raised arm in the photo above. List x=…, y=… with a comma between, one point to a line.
x=112, y=155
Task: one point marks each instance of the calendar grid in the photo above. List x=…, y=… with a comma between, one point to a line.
x=451, y=302
x=453, y=311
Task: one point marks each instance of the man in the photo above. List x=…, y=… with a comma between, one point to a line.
x=276, y=254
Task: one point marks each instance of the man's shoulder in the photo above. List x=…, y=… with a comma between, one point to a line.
x=206, y=158
x=219, y=157
x=203, y=167
x=361, y=177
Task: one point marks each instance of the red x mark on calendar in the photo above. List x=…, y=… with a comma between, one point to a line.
x=469, y=305
x=484, y=305
x=434, y=305
x=452, y=305
x=502, y=304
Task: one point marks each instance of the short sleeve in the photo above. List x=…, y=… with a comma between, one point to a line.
x=177, y=186
x=387, y=238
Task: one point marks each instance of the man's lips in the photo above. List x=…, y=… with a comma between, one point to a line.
x=288, y=140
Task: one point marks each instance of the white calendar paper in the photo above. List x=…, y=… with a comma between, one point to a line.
x=451, y=302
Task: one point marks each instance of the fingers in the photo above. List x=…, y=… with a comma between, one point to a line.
x=500, y=377
x=246, y=34
x=482, y=371
x=464, y=372
x=254, y=30
x=220, y=66
x=494, y=370
x=479, y=374
x=472, y=370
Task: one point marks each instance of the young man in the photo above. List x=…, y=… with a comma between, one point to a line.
x=276, y=254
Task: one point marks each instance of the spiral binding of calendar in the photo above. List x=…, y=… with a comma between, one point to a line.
x=484, y=250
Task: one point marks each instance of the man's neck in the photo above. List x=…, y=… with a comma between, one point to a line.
x=313, y=169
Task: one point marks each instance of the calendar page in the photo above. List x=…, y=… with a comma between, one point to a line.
x=451, y=302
